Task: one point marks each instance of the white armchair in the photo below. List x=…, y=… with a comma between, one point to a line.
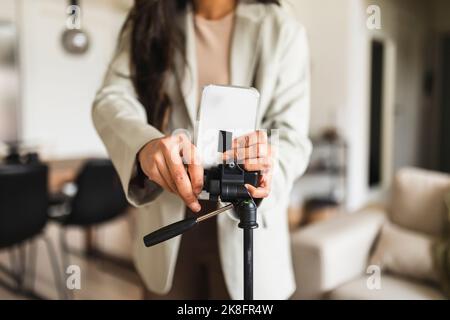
x=330, y=258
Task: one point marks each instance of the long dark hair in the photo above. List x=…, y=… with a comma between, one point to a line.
x=155, y=40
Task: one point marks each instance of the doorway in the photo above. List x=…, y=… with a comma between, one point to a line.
x=444, y=143
x=376, y=114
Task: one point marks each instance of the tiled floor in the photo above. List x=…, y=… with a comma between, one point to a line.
x=99, y=279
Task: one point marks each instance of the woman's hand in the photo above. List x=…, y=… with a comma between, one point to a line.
x=162, y=161
x=254, y=153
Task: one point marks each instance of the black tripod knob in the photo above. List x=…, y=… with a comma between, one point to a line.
x=247, y=212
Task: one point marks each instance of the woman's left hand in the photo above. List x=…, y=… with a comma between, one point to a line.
x=254, y=153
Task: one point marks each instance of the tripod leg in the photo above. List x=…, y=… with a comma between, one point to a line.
x=248, y=264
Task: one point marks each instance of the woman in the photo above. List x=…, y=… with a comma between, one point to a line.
x=168, y=51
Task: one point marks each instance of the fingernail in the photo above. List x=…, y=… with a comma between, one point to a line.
x=195, y=207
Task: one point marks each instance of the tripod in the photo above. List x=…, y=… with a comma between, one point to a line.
x=227, y=182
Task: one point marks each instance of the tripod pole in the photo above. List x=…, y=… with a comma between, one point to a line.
x=248, y=264
x=247, y=211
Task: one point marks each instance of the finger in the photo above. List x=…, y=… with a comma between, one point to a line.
x=259, y=136
x=195, y=168
x=165, y=174
x=181, y=180
x=196, y=175
x=157, y=178
x=260, y=164
x=258, y=192
x=184, y=187
x=255, y=151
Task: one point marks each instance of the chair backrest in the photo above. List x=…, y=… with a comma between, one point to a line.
x=23, y=202
x=99, y=196
x=418, y=200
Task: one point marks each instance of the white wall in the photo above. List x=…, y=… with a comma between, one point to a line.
x=326, y=22
x=7, y=11
x=57, y=88
x=9, y=82
x=340, y=46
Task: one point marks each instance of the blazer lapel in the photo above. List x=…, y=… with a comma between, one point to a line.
x=244, y=44
x=188, y=78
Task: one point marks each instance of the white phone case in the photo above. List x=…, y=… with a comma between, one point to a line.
x=230, y=108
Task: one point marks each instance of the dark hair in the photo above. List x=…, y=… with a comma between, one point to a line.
x=155, y=40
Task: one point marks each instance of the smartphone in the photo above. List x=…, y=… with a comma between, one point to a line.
x=229, y=108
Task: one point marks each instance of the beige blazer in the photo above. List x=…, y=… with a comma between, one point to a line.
x=269, y=52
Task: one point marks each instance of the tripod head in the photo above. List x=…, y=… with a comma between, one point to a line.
x=227, y=181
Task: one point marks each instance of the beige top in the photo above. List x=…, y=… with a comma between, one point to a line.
x=213, y=42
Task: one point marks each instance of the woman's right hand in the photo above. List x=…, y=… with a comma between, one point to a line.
x=162, y=162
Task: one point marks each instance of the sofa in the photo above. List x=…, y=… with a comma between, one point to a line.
x=331, y=258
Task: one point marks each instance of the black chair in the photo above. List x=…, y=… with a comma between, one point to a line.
x=23, y=216
x=98, y=197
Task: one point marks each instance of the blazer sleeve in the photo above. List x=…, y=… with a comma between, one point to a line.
x=121, y=121
x=289, y=110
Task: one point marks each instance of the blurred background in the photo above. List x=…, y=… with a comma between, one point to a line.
x=376, y=185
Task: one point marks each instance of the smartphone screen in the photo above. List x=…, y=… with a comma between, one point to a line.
x=228, y=108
